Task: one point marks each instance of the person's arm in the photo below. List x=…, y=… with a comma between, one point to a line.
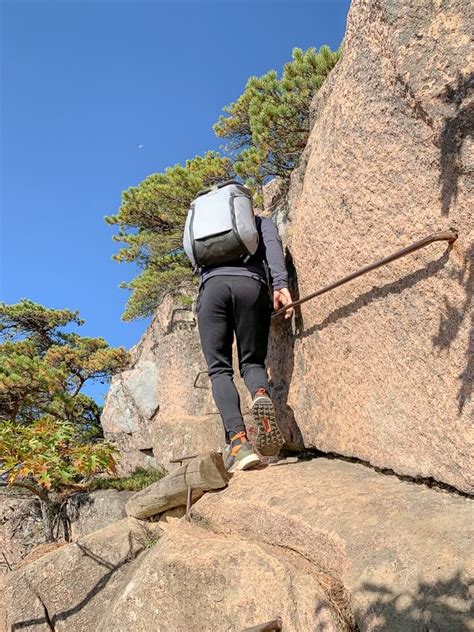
x=275, y=258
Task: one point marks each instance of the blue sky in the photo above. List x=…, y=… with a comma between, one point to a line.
x=95, y=96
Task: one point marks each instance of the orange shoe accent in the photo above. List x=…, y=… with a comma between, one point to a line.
x=266, y=424
x=240, y=435
x=243, y=439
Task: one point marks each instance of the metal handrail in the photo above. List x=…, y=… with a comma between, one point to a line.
x=196, y=379
x=450, y=235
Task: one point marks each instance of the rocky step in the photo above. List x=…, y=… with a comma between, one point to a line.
x=403, y=551
x=201, y=581
x=322, y=544
x=70, y=588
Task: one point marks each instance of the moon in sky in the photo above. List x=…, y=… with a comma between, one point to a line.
x=140, y=146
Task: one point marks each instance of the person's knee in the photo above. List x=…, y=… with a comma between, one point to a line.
x=220, y=373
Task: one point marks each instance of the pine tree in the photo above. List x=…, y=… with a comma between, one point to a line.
x=268, y=126
x=50, y=433
x=150, y=223
x=43, y=368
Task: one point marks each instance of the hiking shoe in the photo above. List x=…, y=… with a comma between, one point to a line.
x=269, y=439
x=239, y=454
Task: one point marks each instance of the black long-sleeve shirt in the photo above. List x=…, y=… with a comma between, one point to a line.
x=269, y=255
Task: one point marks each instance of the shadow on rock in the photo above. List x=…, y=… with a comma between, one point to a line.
x=52, y=619
x=280, y=362
x=455, y=130
x=450, y=325
x=433, y=606
x=376, y=293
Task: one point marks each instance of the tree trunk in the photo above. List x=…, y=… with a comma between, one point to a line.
x=203, y=473
x=47, y=520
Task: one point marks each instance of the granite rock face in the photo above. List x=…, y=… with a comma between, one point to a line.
x=402, y=551
x=153, y=411
x=324, y=545
x=21, y=525
x=383, y=367
x=91, y=511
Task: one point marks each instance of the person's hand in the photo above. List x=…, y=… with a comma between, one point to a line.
x=281, y=298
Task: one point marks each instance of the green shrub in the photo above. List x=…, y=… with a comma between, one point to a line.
x=139, y=479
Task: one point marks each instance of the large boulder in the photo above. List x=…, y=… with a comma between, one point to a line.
x=71, y=587
x=91, y=511
x=324, y=544
x=383, y=367
x=196, y=580
x=21, y=523
x=403, y=551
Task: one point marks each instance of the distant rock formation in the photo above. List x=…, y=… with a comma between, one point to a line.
x=382, y=368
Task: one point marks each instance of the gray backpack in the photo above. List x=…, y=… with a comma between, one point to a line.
x=220, y=227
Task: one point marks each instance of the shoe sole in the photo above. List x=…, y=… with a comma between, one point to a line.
x=244, y=464
x=269, y=439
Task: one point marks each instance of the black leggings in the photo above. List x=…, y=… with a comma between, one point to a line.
x=228, y=304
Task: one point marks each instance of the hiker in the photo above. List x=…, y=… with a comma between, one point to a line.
x=243, y=276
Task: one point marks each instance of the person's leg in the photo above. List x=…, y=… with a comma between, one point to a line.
x=215, y=322
x=252, y=315
x=252, y=312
